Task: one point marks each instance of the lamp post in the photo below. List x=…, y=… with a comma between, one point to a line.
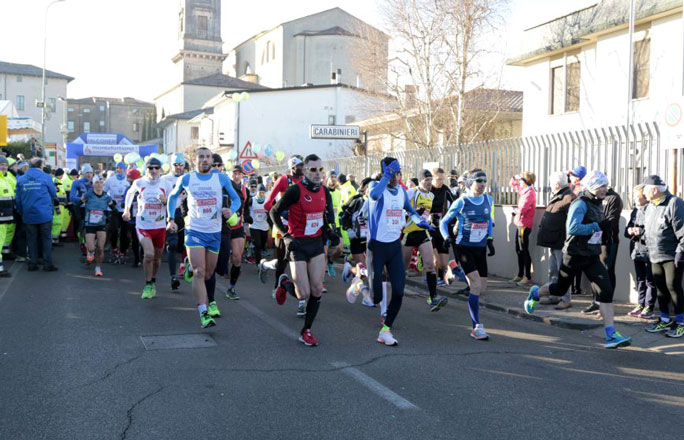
x=42, y=113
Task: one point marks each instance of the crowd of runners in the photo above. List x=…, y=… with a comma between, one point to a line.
x=211, y=221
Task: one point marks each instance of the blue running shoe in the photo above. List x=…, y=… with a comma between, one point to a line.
x=531, y=303
x=331, y=270
x=617, y=340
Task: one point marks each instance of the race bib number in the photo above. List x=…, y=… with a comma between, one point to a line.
x=153, y=209
x=596, y=238
x=206, y=206
x=96, y=216
x=363, y=227
x=394, y=219
x=478, y=232
x=314, y=222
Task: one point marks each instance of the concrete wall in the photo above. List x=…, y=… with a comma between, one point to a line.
x=505, y=262
x=604, y=82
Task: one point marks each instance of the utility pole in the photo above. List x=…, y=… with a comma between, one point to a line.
x=42, y=112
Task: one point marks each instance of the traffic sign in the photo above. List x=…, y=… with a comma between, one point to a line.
x=247, y=167
x=335, y=131
x=673, y=129
x=247, y=152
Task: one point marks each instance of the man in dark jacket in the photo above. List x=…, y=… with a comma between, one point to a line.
x=552, y=233
x=36, y=196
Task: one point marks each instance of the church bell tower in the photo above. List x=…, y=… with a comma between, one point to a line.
x=200, y=51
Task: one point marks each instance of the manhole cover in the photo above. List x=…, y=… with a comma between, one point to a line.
x=171, y=342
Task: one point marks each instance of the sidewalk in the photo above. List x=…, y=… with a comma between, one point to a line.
x=505, y=296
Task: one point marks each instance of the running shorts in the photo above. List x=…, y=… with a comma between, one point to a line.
x=357, y=246
x=473, y=259
x=95, y=229
x=415, y=238
x=157, y=236
x=209, y=241
x=306, y=248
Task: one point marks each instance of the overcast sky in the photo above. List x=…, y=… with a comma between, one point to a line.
x=119, y=48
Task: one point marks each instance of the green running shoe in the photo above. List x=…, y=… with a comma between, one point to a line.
x=419, y=265
x=187, y=275
x=154, y=290
x=206, y=320
x=147, y=292
x=213, y=310
x=232, y=294
x=530, y=303
x=661, y=326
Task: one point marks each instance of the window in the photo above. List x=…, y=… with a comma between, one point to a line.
x=101, y=123
x=202, y=26
x=20, y=102
x=194, y=133
x=102, y=108
x=86, y=127
x=70, y=109
x=272, y=51
x=70, y=126
x=640, y=80
x=248, y=69
x=135, y=127
x=557, y=86
x=52, y=105
x=19, y=78
x=86, y=110
x=331, y=119
x=572, y=90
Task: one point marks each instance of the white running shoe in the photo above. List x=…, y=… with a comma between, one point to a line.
x=479, y=333
x=346, y=272
x=361, y=270
x=353, y=291
x=387, y=338
x=367, y=302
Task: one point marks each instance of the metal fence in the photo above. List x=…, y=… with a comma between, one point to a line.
x=626, y=156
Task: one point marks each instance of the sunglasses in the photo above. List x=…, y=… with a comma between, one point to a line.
x=316, y=170
x=178, y=164
x=153, y=168
x=216, y=165
x=481, y=180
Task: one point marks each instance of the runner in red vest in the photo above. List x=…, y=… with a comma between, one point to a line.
x=310, y=215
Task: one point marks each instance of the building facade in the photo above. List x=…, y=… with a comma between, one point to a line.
x=316, y=49
x=127, y=116
x=21, y=84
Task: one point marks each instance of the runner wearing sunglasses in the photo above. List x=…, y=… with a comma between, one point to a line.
x=150, y=221
x=473, y=212
x=174, y=241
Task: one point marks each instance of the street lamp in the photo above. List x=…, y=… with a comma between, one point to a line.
x=42, y=113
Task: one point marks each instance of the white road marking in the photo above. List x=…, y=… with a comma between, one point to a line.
x=16, y=267
x=375, y=386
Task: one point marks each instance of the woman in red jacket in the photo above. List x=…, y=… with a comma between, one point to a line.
x=524, y=219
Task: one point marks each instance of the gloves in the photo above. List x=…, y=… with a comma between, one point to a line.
x=390, y=170
x=290, y=243
x=679, y=260
x=490, y=246
x=334, y=238
x=425, y=225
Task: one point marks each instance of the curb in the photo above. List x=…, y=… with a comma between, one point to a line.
x=517, y=312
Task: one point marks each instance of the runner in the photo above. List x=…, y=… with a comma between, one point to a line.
x=440, y=205
x=174, y=241
x=581, y=254
x=259, y=226
x=237, y=231
x=116, y=186
x=7, y=189
x=354, y=219
x=150, y=221
x=97, y=206
x=415, y=236
x=132, y=175
x=204, y=191
x=279, y=264
x=473, y=213
x=309, y=207
x=79, y=188
x=386, y=206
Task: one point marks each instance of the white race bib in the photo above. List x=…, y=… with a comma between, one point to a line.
x=314, y=222
x=478, y=231
x=96, y=216
x=394, y=219
x=596, y=238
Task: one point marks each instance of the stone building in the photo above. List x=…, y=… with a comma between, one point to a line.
x=128, y=116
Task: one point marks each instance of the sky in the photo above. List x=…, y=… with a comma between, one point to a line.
x=118, y=48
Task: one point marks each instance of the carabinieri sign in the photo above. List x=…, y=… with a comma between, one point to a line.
x=335, y=131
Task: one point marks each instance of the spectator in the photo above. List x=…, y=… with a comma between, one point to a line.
x=352, y=182
x=36, y=196
x=575, y=177
x=524, y=219
x=552, y=233
x=639, y=252
x=664, y=221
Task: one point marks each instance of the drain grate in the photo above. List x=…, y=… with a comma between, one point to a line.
x=172, y=342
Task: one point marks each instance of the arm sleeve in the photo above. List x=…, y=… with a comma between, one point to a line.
x=173, y=197
x=451, y=214
x=290, y=197
x=574, y=224
x=330, y=212
x=490, y=228
x=379, y=188
x=228, y=186
x=279, y=187
x=74, y=197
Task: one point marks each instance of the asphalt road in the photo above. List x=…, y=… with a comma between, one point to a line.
x=73, y=366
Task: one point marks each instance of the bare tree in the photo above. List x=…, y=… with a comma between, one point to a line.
x=435, y=46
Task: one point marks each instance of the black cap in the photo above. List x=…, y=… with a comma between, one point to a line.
x=217, y=158
x=453, y=173
x=424, y=174
x=342, y=178
x=73, y=172
x=238, y=168
x=154, y=162
x=59, y=172
x=654, y=180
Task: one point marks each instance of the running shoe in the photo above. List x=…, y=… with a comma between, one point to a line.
x=279, y=293
x=441, y=283
x=347, y=274
x=147, y=291
x=154, y=290
x=213, y=310
x=479, y=333
x=361, y=270
x=437, y=302
x=676, y=332
x=592, y=309
x=367, y=302
x=323, y=288
x=301, y=309
x=526, y=282
x=90, y=257
x=660, y=326
x=365, y=293
x=636, y=311
x=181, y=269
x=308, y=339
x=187, y=272
x=331, y=270
x=98, y=272
x=386, y=337
x=646, y=313
x=262, y=271
x=516, y=280
x=251, y=260
x=353, y=291
x=175, y=284
x=206, y=320
x=232, y=294
x=530, y=303
x=617, y=340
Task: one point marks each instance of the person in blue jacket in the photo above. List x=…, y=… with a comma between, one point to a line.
x=35, y=198
x=78, y=189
